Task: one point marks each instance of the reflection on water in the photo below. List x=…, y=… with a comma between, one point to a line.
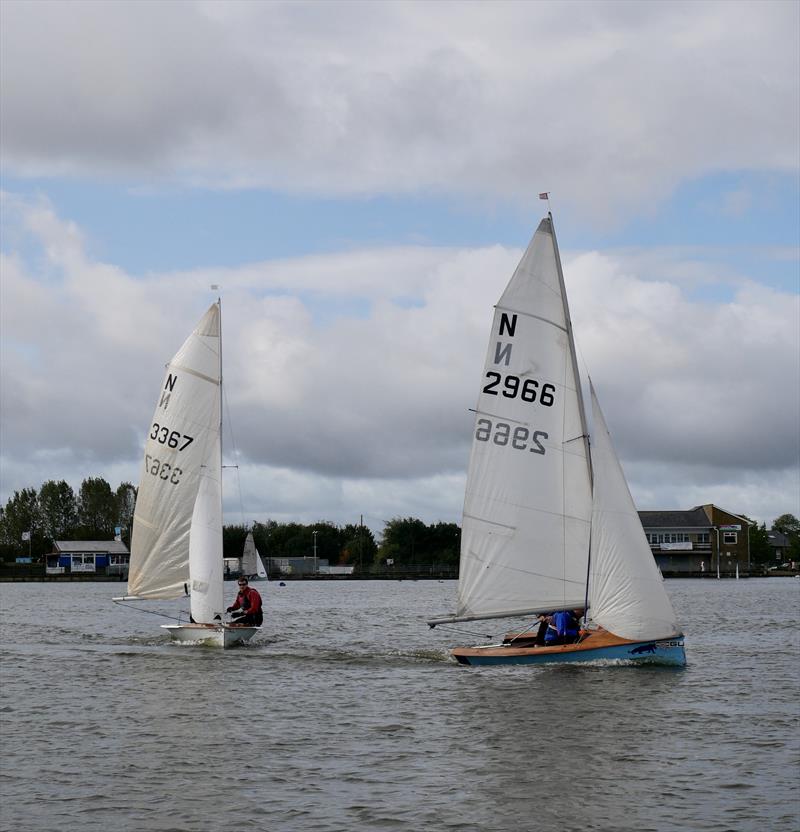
x=347, y=713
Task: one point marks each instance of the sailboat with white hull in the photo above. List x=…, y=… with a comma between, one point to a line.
x=549, y=523
x=176, y=546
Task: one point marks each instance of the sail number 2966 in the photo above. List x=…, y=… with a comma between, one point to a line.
x=519, y=437
x=513, y=386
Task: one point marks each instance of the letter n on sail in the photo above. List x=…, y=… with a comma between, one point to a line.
x=169, y=386
x=507, y=324
x=502, y=352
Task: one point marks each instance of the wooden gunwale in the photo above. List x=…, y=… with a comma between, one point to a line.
x=592, y=641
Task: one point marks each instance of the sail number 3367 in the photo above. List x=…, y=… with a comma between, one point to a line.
x=163, y=470
x=171, y=438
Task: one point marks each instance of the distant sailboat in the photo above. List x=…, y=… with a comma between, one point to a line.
x=548, y=522
x=176, y=546
x=252, y=565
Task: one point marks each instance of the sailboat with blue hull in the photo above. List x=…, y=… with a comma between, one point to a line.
x=548, y=522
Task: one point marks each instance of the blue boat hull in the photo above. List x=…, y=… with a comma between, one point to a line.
x=662, y=652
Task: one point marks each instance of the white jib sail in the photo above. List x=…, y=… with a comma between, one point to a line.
x=260, y=568
x=179, y=450
x=205, y=540
x=627, y=594
x=527, y=507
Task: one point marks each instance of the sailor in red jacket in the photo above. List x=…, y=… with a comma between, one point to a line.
x=246, y=608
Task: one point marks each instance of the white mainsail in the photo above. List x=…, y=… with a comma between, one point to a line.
x=528, y=504
x=177, y=527
x=626, y=589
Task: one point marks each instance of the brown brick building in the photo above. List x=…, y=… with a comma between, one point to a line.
x=702, y=541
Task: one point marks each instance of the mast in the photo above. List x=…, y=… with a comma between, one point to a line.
x=219, y=307
x=581, y=404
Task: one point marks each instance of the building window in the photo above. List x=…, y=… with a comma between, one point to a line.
x=702, y=537
x=674, y=537
x=730, y=538
x=83, y=563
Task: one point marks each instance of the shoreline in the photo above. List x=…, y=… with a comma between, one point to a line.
x=94, y=578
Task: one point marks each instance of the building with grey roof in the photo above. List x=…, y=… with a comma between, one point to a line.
x=104, y=557
x=704, y=540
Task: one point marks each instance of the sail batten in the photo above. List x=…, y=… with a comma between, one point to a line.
x=556, y=324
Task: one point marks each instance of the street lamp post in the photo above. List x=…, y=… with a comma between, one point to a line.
x=316, y=568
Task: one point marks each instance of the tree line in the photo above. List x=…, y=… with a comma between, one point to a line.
x=56, y=512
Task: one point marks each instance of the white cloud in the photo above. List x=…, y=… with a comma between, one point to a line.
x=349, y=377
x=606, y=103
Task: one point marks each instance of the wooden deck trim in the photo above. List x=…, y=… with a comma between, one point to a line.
x=592, y=641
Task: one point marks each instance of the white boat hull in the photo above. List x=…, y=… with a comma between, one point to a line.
x=216, y=635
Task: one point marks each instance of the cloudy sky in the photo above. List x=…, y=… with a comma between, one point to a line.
x=360, y=179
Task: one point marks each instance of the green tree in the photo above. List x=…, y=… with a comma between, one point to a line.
x=760, y=550
x=125, y=497
x=786, y=523
x=790, y=526
x=405, y=541
x=262, y=536
x=233, y=538
x=97, y=509
x=358, y=547
x=445, y=540
x=21, y=515
x=328, y=538
x=59, y=510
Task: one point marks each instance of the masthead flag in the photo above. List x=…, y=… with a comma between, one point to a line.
x=545, y=195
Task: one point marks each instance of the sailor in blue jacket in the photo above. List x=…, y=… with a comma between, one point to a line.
x=563, y=628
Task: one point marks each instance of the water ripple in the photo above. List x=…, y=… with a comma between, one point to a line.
x=347, y=713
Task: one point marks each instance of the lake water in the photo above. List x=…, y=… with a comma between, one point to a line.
x=347, y=714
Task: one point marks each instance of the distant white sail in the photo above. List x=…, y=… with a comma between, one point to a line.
x=527, y=507
x=626, y=589
x=179, y=503
x=252, y=564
